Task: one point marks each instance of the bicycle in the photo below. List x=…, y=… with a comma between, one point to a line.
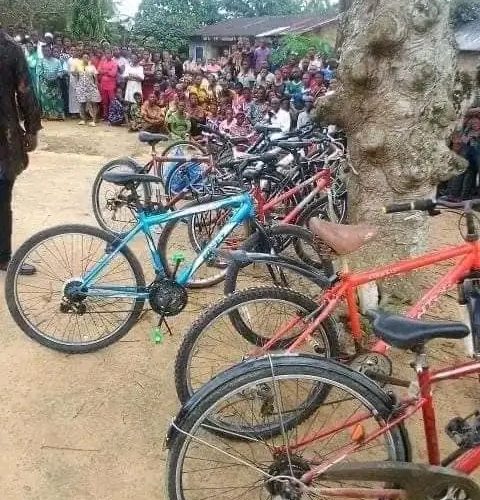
x=255, y=426
x=313, y=323
x=90, y=289
x=119, y=205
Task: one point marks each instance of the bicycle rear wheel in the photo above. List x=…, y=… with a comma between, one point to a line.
x=235, y=426
x=111, y=204
x=230, y=330
x=285, y=240
x=41, y=305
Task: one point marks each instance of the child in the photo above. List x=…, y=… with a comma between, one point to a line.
x=135, y=113
x=116, y=113
x=178, y=123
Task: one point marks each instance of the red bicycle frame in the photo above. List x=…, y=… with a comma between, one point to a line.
x=469, y=261
x=322, y=181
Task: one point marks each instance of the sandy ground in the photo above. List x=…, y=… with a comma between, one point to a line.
x=92, y=426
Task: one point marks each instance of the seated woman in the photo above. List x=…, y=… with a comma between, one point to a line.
x=153, y=115
x=135, y=121
x=178, y=123
x=116, y=111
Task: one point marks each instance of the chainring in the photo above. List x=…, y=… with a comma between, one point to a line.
x=167, y=297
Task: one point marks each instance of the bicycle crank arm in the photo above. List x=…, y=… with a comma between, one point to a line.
x=415, y=481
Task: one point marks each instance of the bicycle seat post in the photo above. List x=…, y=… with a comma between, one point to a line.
x=472, y=234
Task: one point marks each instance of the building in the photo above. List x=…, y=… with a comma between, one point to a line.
x=468, y=41
x=210, y=41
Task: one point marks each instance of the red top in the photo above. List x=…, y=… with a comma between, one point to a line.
x=108, y=74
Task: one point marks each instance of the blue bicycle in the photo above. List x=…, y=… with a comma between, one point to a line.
x=89, y=289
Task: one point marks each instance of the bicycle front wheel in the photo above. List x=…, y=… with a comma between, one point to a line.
x=236, y=427
x=192, y=234
x=42, y=306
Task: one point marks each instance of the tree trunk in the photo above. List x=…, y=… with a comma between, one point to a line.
x=394, y=98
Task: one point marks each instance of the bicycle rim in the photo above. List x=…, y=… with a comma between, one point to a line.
x=62, y=260
x=245, y=467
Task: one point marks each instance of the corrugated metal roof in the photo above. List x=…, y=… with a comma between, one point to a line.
x=468, y=37
x=255, y=26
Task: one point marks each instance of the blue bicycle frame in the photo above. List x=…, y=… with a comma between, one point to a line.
x=244, y=210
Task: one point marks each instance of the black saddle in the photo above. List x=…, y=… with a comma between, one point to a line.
x=124, y=178
x=405, y=333
x=292, y=145
x=261, y=127
x=152, y=139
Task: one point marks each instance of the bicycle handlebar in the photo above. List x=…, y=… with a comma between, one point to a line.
x=421, y=205
x=428, y=204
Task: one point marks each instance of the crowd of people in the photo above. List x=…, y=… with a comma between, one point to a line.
x=160, y=92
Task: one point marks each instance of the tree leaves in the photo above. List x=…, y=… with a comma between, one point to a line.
x=464, y=11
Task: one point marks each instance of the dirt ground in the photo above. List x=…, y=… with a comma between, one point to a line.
x=92, y=426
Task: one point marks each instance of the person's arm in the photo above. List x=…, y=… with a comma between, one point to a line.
x=27, y=102
x=112, y=72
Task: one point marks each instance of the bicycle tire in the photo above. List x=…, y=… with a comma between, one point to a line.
x=74, y=348
x=166, y=235
x=257, y=242
x=176, y=144
x=190, y=340
x=95, y=196
x=237, y=379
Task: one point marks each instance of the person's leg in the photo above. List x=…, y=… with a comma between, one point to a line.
x=111, y=98
x=104, y=103
x=83, y=113
x=6, y=188
x=5, y=220
x=93, y=110
x=470, y=179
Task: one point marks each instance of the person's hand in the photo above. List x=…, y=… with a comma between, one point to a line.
x=31, y=142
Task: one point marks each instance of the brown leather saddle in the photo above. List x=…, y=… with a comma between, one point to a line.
x=342, y=239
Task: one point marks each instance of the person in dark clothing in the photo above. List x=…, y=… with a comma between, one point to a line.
x=17, y=99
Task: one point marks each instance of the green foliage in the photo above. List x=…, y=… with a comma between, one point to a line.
x=298, y=45
x=252, y=8
x=167, y=24
x=464, y=11
x=51, y=15
x=89, y=18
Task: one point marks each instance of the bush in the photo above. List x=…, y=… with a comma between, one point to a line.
x=298, y=45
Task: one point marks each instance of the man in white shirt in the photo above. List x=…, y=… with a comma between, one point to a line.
x=305, y=117
x=279, y=118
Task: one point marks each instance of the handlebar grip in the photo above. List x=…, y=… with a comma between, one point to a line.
x=421, y=205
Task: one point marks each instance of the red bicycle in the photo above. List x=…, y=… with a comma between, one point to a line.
x=298, y=323
x=302, y=426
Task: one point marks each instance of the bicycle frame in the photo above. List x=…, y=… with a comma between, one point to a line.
x=244, y=210
x=348, y=283
x=466, y=463
x=322, y=180
x=469, y=255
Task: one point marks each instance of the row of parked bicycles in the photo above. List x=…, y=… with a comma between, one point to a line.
x=273, y=404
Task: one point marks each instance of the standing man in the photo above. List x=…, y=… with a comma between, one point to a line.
x=261, y=56
x=17, y=98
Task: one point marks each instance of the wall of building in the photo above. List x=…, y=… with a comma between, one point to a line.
x=468, y=62
x=328, y=32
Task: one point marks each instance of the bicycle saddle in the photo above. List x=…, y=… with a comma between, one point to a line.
x=124, y=178
x=342, y=239
x=405, y=333
x=292, y=145
x=152, y=139
x=265, y=128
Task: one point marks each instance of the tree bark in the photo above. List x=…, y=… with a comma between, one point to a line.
x=394, y=98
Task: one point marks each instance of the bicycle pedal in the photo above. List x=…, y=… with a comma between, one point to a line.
x=465, y=432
